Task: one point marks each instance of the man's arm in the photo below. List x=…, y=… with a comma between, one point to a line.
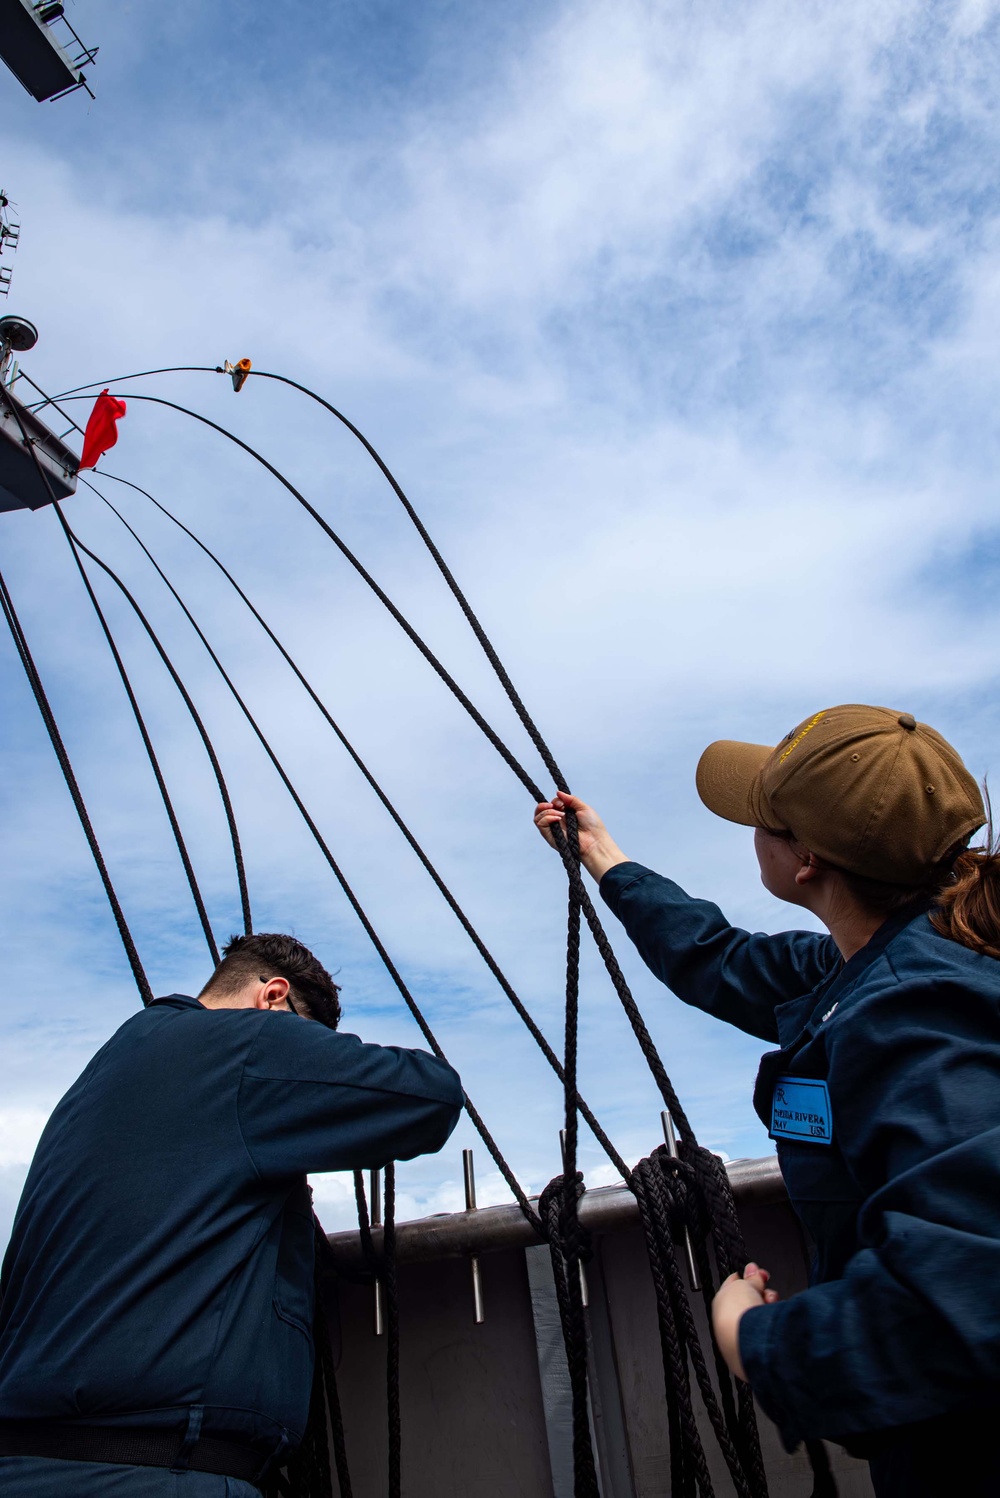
x=913, y=1327
x=311, y=1099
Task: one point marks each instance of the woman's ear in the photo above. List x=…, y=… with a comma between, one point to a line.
x=811, y=867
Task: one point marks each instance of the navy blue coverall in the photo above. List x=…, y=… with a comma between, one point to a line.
x=895, y=1348
x=160, y=1271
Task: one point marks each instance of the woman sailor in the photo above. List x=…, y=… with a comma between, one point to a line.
x=884, y=1094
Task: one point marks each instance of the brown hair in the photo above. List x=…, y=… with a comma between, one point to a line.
x=268, y=955
x=967, y=909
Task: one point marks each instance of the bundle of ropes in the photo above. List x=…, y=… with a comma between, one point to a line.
x=684, y=1198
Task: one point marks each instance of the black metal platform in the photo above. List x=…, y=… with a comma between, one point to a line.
x=21, y=485
x=34, y=55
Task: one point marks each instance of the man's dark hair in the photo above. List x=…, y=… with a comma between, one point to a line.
x=267, y=955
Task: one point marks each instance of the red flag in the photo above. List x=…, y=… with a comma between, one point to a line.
x=102, y=429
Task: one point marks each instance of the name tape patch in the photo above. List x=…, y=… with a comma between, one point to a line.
x=800, y=1109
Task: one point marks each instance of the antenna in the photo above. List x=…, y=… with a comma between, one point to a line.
x=17, y=335
x=36, y=466
x=10, y=233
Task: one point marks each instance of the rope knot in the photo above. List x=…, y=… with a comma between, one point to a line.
x=677, y=1192
x=557, y=1210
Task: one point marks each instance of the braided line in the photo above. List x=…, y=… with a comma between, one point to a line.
x=566, y=1278
x=467, y=926
x=324, y=848
x=690, y=1201
x=364, y=1224
x=154, y=762
x=195, y=716
x=731, y=1255
x=404, y=624
x=560, y=1215
x=42, y=701
x=661, y=1183
x=621, y=987
x=568, y=1222
x=675, y=1374
x=392, y=1331
x=487, y=645
x=324, y=1267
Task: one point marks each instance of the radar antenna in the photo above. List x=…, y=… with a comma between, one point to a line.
x=10, y=233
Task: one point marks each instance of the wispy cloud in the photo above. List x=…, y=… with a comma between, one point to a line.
x=678, y=323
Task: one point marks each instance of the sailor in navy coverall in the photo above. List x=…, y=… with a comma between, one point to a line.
x=883, y=1094
x=160, y=1273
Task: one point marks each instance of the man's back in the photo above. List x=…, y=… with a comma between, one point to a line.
x=161, y=1258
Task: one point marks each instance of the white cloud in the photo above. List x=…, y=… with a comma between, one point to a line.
x=679, y=329
x=20, y=1129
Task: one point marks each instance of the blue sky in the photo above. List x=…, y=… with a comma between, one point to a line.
x=678, y=323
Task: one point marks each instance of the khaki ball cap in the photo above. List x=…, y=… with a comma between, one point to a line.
x=867, y=788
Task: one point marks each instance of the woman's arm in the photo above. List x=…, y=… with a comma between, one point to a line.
x=734, y=975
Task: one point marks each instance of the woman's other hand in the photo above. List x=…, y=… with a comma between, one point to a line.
x=736, y=1296
x=598, y=849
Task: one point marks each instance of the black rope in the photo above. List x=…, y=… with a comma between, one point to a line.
x=391, y=1331
x=558, y=779
x=366, y=576
x=382, y=1271
x=35, y=682
x=603, y=944
x=150, y=751
x=518, y=1005
x=328, y=1407
x=563, y=1231
x=487, y=646
x=196, y=719
x=659, y=1207
x=140, y=374
x=338, y=873
x=38, y=691
x=566, y=1244
x=600, y=937
x=621, y=987
x=364, y=1225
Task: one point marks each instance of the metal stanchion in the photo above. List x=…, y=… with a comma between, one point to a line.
x=375, y=1199
x=469, y=1171
x=584, y=1295
x=671, y=1142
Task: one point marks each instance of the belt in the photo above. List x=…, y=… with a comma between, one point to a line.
x=120, y=1446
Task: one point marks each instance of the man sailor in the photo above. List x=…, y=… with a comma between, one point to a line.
x=156, y=1328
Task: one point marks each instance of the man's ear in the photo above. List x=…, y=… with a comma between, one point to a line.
x=273, y=994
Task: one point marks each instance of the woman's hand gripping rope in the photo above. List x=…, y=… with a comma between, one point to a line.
x=598, y=849
x=734, y=1297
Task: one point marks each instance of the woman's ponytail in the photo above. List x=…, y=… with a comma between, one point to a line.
x=967, y=908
